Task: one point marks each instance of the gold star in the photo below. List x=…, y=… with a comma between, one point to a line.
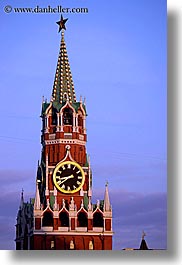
x=61, y=23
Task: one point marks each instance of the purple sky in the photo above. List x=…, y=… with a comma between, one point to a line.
x=117, y=54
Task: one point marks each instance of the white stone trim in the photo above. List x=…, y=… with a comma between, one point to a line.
x=47, y=173
x=98, y=229
x=65, y=141
x=73, y=233
x=47, y=228
x=63, y=228
x=81, y=229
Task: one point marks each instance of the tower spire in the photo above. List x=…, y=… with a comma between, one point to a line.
x=22, y=199
x=37, y=197
x=107, y=205
x=63, y=87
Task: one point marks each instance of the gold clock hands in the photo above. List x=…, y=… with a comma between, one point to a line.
x=63, y=179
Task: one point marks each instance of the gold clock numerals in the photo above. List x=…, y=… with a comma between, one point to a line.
x=59, y=182
x=63, y=187
x=68, y=177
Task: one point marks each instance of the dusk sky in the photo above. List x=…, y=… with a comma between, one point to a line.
x=117, y=54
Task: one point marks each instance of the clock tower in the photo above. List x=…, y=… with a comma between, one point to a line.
x=64, y=217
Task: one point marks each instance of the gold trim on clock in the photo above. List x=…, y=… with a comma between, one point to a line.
x=68, y=177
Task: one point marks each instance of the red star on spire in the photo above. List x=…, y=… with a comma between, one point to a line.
x=62, y=23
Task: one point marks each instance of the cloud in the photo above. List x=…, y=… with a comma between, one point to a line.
x=15, y=180
x=134, y=212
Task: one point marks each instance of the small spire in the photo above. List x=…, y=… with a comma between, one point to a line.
x=89, y=177
x=22, y=199
x=72, y=204
x=143, y=235
x=89, y=204
x=82, y=204
x=63, y=203
x=55, y=203
x=107, y=205
x=37, y=205
x=48, y=202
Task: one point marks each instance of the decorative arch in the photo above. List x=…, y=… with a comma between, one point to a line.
x=82, y=219
x=54, y=116
x=67, y=116
x=98, y=220
x=67, y=105
x=64, y=218
x=49, y=108
x=80, y=118
x=82, y=109
x=47, y=219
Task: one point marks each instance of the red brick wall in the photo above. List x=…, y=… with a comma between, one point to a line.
x=108, y=224
x=80, y=242
x=37, y=223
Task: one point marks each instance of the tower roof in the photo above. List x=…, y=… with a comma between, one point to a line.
x=143, y=245
x=63, y=88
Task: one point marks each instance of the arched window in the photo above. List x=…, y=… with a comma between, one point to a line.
x=67, y=116
x=54, y=116
x=47, y=219
x=80, y=121
x=82, y=219
x=64, y=219
x=98, y=220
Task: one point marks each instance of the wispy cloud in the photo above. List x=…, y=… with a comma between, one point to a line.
x=134, y=212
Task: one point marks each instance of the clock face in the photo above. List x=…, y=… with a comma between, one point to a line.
x=68, y=177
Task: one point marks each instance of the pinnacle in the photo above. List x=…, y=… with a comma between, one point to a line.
x=63, y=87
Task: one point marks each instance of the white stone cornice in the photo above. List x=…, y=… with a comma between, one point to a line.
x=65, y=141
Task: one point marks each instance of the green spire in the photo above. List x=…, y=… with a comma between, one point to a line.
x=63, y=88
